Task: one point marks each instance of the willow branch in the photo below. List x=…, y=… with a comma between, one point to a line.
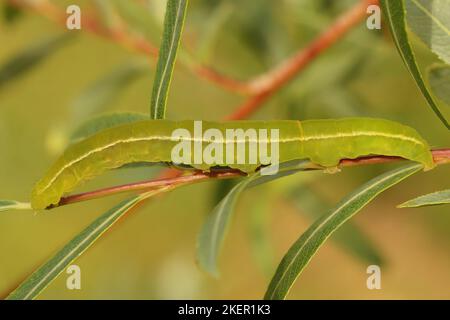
x=440, y=156
x=148, y=185
x=268, y=84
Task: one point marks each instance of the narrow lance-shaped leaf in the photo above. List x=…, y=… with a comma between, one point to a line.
x=173, y=27
x=302, y=251
x=394, y=11
x=430, y=20
x=212, y=234
x=6, y=205
x=439, y=79
x=43, y=276
x=29, y=57
x=350, y=237
x=432, y=199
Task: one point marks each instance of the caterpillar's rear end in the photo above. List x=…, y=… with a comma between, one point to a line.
x=326, y=142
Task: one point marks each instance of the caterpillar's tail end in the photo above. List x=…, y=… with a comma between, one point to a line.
x=39, y=202
x=429, y=166
x=426, y=159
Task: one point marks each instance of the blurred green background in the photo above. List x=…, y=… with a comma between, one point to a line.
x=151, y=253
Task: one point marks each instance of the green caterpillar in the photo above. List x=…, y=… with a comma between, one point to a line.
x=323, y=142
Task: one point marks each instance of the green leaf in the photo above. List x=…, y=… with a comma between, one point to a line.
x=430, y=20
x=212, y=234
x=6, y=205
x=432, y=199
x=103, y=122
x=138, y=15
x=439, y=79
x=211, y=30
x=10, y=12
x=302, y=251
x=394, y=12
x=350, y=237
x=24, y=60
x=105, y=90
x=44, y=275
x=173, y=28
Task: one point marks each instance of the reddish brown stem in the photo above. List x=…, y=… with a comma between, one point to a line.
x=440, y=156
x=148, y=185
x=266, y=85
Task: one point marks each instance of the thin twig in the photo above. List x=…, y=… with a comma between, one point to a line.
x=147, y=185
x=267, y=84
x=440, y=156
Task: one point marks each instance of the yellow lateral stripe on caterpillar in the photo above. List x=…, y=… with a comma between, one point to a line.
x=366, y=134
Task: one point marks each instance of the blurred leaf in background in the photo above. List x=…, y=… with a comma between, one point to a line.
x=10, y=13
x=95, y=98
x=30, y=57
x=98, y=96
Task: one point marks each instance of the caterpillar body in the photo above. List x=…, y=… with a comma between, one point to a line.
x=323, y=142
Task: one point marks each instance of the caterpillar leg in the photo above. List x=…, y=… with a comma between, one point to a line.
x=332, y=170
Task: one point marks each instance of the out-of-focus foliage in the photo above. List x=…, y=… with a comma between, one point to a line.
x=100, y=94
x=10, y=13
x=29, y=57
